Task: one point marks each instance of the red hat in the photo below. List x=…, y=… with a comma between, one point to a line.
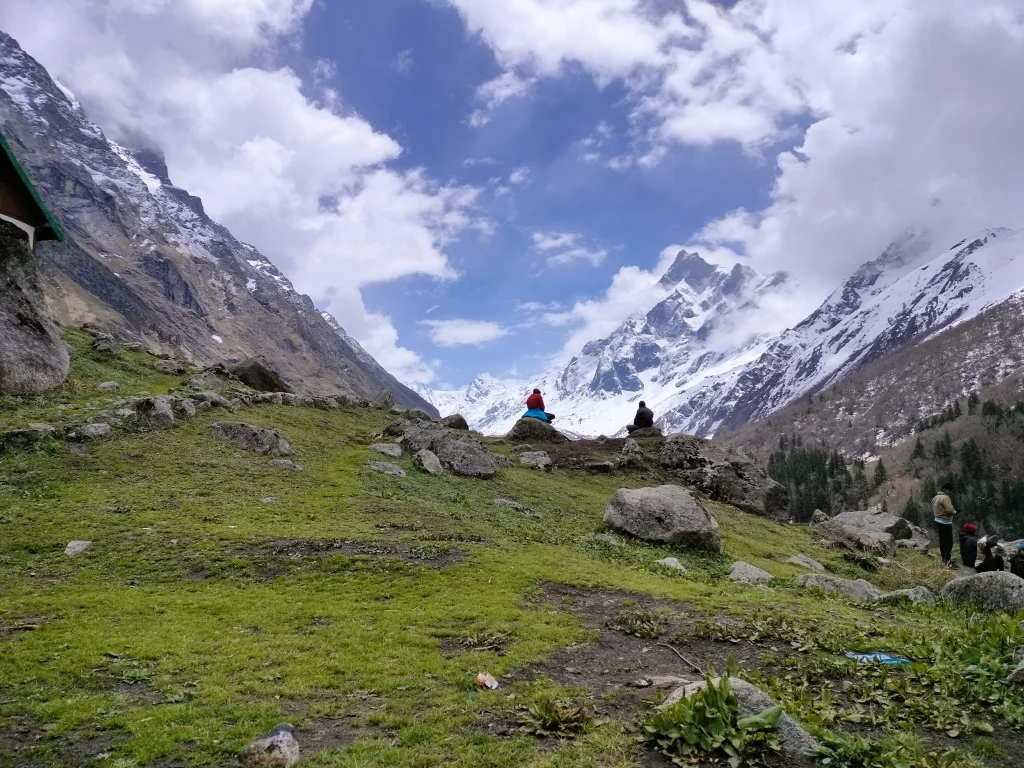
x=970, y=528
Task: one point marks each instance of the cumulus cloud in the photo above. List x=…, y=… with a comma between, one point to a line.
x=520, y=175
x=463, y=333
x=566, y=247
x=496, y=92
x=199, y=79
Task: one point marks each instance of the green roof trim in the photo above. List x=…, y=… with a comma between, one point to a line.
x=52, y=228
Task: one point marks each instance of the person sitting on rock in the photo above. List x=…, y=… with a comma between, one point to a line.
x=1017, y=562
x=969, y=545
x=989, y=558
x=644, y=419
x=535, y=408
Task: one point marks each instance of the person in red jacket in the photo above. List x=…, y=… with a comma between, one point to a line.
x=535, y=407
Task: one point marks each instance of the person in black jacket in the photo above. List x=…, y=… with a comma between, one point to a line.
x=969, y=545
x=644, y=418
x=1017, y=562
x=989, y=558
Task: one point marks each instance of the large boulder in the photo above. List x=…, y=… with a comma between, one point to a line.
x=858, y=590
x=457, y=451
x=385, y=400
x=33, y=357
x=994, y=591
x=536, y=431
x=920, y=540
x=260, y=375
x=170, y=367
x=647, y=432
x=213, y=378
x=535, y=460
x=746, y=573
x=805, y=562
x=388, y=449
x=277, y=749
x=155, y=412
x=870, y=530
x=725, y=474
x=428, y=462
x=456, y=421
x=667, y=513
x=914, y=595
x=266, y=442
x=750, y=701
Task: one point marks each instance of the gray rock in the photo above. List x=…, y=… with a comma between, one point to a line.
x=751, y=700
x=33, y=357
x=858, y=590
x=869, y=530
x=502, y=461
x=1009, y=548
x=388, y=449
x=607, y=538
x=920, y=540
x=516, y=506
x=524, y=448
x=915, y=595
x=109, y=386
x=418, y=414
x=386, y=468
x=818, y=517
x=214, y=378
x=106, y=344
x=260, y=440
x=277, y=749
x=646, y=432
x=805, y=562
x=456, y=421
x=184, y=407
x=95, y=431
x=286, y=464
x=428, y=462
x=385, y=400
x=212, y=398
x=667, y=513
x=535, y=459
x=601, y=467
x=76, y=547
x=632, y=448
x=994, y=591
x=326, y=403
x=155, y=412
x=724, y=474
x=672, y=563
x=749, y=574
x=398, y=410
x=270, y=398
x=1017, y=676
x=260, y=375
x=536, y=431
x=630, y=461
x=457, y=451
x=170, y=367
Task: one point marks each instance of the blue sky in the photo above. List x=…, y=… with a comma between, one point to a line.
x=410, y=68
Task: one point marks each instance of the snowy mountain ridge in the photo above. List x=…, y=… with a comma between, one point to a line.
x=674, y=356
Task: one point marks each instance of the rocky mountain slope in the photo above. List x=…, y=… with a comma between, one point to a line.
x=145, y=261
x=674, y=359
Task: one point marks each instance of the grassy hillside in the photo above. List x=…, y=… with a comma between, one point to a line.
x=223, y=595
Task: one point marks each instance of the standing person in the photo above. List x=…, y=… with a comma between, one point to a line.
x=969, y=545
x=535, y=408
x=644, y=418
x=989, y=558
x=942, y=506
x=1017, y=562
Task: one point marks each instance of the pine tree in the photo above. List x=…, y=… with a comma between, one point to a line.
x=972, y=403
x=911, y=512
x=928, y=490
x=880, y=474
x=957, y=413
x=783, y=442
x=918, y=450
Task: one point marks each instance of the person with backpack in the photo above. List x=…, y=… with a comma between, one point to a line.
x=942, y=507
x=969, y=545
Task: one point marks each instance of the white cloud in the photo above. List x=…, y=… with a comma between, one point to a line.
x=459, y=333
x=404, y=62
x=198, y=78
x=496, y=92
x=520, y=175
x=566, y=247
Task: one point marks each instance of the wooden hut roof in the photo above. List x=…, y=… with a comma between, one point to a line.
x=51, y=230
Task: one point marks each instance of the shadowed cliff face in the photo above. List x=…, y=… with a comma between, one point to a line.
x=145, y=262
x=33, y=357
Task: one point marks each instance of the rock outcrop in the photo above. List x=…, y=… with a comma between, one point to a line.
x=870, y=530
x=858, y=590
x=388, y=449
x=33, y=357
x=536, y=431
x=994, y=591
x=805, y=562
x=746, y=573
x=257, y=373
x=428, y=462
x=456, y=421
x=725, y=474
x=913, y=595
x=535, y=459
x=260, y=440
x=457, y=451
x=667, y=513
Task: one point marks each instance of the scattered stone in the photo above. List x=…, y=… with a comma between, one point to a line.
x=672, y=563
x=668, y=513
x=109, y=386
x=386, y=468
x=630, y=461
x=213, y=399
x=805, y=562
x=185, y=408
x=920, y=540
x=858, y=590
x=725, y=474
x=818, y=517
x=277, y=749
x=993, y=591
x=536, y=431
x=287, y=464
x=388, y=449
x=270, y=500
x=23, y=438
x=260, y=375
x=601, y=467
x=213, y=378
x=632, y=448
x=260, y=440
x=326, y=403
x=647, y=432
x=385, y=400
x=95, y=431
x=428, y=462
x=915, y=595
x=502, y=461
x=170, y=367
x=76, y=547
x=1017, y=676
x=524, y=448
x=515, y=505
x=745, y=572
x=607, y=538
x=456, y=421
x=667, y=681
x=535, y=460
x=106, y=344
x=751, y=700
x=155, y=412
x=869, y=530
x=457, y=451
x=270, y=398
x=398, y=410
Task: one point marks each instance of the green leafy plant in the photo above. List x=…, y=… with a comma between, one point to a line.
x=550, y=716
x=485, y=640
x=707, y=726
x=897, y=750
x=640, y=622
x=985, y=747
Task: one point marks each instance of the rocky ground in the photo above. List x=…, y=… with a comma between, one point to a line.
x=172, y=592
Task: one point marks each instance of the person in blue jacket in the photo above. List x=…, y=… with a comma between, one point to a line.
x=535, y=408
